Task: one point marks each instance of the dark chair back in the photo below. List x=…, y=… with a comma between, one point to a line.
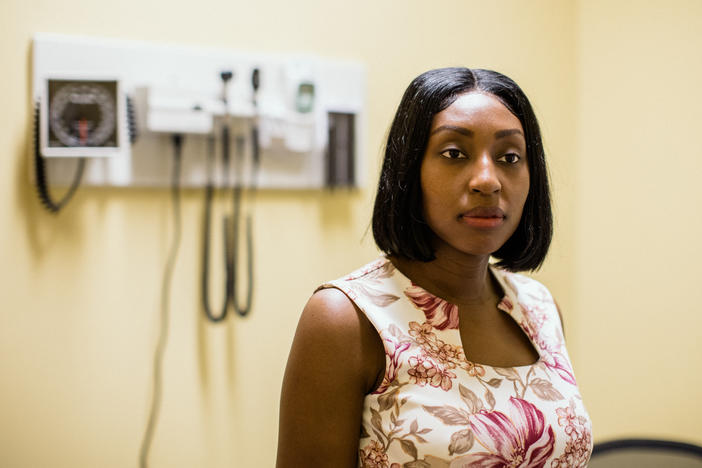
x=645, y=453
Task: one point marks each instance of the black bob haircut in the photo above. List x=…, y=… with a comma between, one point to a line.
x=399, y=227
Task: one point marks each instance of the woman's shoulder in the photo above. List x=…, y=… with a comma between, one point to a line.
x=368, y=287
x=335, y=359
x=329, y=307
x=336, y=307
x=333, y=325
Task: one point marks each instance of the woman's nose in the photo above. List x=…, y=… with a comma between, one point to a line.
x=484, y=178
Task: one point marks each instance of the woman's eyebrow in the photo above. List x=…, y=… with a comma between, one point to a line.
x=508, y=132
x=452, y=128
x=469, y=133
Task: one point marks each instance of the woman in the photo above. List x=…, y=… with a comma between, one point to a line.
x=430, y=356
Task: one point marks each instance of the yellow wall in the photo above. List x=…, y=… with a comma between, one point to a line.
x=79, y=315
x=638, y=226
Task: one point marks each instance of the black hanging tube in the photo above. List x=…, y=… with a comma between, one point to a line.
x=244, y=311
x=205, y=279
x=229, y=245
x=42, y=182
x=255, y=163
x=231, y=223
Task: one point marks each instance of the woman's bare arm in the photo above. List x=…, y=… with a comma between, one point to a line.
x=336, y=358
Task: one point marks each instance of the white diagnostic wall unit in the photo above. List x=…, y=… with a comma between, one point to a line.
x=309, y=112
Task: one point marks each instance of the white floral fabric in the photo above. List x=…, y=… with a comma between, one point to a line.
x=435, y=408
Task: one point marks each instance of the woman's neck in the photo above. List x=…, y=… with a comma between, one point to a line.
x=458, y=278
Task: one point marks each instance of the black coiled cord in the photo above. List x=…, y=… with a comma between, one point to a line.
x=131, y=121
x=42, y=182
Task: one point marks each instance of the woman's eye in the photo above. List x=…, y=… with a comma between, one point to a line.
x=453, y=153
x=510, y=158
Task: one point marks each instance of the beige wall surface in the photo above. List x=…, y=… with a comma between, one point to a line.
x=612, y=85
x=638, y=223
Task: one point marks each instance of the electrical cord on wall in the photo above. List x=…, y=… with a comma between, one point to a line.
x=165, y=304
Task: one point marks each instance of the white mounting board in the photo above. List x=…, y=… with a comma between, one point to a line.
x=340, y=86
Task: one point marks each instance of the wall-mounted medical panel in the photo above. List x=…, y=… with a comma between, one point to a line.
x=116, y=103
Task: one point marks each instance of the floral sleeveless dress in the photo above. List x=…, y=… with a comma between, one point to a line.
x=435, y=408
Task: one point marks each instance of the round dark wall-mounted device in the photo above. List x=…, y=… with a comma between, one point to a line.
x=83, y=113
x=82, y=117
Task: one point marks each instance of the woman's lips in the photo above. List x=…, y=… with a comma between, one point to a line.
x=483, y=217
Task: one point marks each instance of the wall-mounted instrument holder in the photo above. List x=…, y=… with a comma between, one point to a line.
x=93, y=94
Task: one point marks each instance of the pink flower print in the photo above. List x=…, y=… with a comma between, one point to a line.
x=529, y=330
x=439, y=313
x=448, y=354
x=579, y=444
x=373, y=456
x=549, y=353
x=474, y=370
x=394, y=349
x=424, y=370
x=519, y=440
x=559, y=364
x=422, y=334
x=506, y=304
x=535, y=316
x=566, y=418
x=442, y=379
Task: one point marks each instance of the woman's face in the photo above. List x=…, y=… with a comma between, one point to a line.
x=474, y=175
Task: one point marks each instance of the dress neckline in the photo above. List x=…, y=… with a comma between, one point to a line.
x=507, y=304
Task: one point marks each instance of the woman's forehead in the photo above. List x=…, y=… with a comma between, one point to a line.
x=477, y=109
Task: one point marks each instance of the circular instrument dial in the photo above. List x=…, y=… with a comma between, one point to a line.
x=83, y=114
